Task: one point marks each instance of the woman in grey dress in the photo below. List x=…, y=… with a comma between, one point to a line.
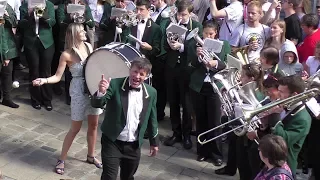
x=74, y=56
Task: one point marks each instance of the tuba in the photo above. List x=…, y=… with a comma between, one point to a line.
x=246, y=119
x=39, y=11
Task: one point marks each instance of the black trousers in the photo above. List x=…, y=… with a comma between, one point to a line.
x=158, y=82
x=232, y=153
x=125, y=155
x=177, y=80
x=39, y=61
x=314, y=147
x=6, y=80
x=207, y=107
x=248, y=159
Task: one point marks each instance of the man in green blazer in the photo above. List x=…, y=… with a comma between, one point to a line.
x=294, y=123
x=147, y=31
x=177, y=72
x=39, y=50
x=130, y=111
x=7, y=68
x=158, y=66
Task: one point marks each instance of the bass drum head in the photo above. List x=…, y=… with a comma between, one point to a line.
x=102, y=61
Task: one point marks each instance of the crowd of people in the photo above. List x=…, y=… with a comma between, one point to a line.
x=282, y=53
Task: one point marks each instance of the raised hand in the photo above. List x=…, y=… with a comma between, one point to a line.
x=104, y=84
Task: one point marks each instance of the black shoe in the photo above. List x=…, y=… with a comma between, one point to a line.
x=172, y=140
x=224, y=171
x=20, y=67
x=36, y=106
x=201, y=158
x=48, y=107
x=9, y=103
x=217, y=161
x=187, y=143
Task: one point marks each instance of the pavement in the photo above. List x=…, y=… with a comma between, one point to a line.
x=31, y=141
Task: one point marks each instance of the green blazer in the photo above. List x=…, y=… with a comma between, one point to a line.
x=189, y=52
x=10, y=22
x=64, y=19
x=3, y=45
x=162, y=22
x=294, y=128
x=152, y=35
x=199, y=73
x=28, y=26
x=116, y=100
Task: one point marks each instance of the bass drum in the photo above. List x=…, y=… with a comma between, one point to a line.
x=113, y=60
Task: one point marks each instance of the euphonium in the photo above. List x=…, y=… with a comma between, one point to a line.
x=39, y=11
x=248, y=114
x=78, y=18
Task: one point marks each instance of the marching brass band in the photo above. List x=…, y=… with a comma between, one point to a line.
x=267, y=94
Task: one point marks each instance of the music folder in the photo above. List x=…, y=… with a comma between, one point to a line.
x=313, y=106
x=117, y=12
x=174, y=28
x=36, y=3
x=76, y=8
x=130, y=6
x=212, y=45
x=234, y=62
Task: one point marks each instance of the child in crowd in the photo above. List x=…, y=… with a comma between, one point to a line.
x=289, y=61
x=269, y=58
x=313, y=62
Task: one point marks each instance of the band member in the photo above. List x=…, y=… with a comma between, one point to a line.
x=64, y=19
x=74, y=57
x=130, y=112
x=146, y=31
x=11, y=53
x=177, y=74
x=39, y=49
x=273, y=152
x=108, y=23
x=206, y=102
x=294, y=123
x=252, y=33
x=160, y=6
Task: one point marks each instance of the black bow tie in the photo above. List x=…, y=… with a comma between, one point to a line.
x=142, y=21
x=157, y=10
x=134, y=89
x=185, y=25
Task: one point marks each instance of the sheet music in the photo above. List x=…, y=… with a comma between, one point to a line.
x=76, y=8
x=130, y=6
x=174, y=28
x=313, y=106
x=117, y=12
x=38, y=3
x=234, y=62
x=212, y=45
x=2, y=9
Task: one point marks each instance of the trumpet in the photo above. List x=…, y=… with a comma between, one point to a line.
x=248, y=114
x=39, y=11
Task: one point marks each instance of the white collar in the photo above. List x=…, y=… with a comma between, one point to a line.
x=163, y=7
x=140, y=86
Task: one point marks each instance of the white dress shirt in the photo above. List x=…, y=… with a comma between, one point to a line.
x=140, y=31
x=135, y=104
x=15, y=4
x=36, y=19
x=156, y=14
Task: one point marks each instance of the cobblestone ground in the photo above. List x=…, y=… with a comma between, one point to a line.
x=31, y=140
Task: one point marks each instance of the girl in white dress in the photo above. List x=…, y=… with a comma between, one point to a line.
x=74, y=56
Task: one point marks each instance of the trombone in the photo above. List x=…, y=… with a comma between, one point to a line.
x=248, y=114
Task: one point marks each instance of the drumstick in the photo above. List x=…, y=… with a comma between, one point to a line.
x=16, y=84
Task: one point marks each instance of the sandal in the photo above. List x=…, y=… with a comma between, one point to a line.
x=60, y=170
x=95, y=161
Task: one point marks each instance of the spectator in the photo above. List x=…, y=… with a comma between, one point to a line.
x=309, y=26
x=273, y=152
x=292, y=20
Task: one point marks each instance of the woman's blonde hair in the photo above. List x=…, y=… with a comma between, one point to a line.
x=282, y=25
x=72, y=35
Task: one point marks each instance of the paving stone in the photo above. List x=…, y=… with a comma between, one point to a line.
x=17, y=128
x=8, y=132
x=165, y=176
x=182, y=177
x=55, y=131
x=4, y=122
x=190, y=172
x=54, y=143
x=3, y=137
x=13, y=117
x=21, y=151
x=8, y=178
x=174, y=169
x=46, y=137
x=36, y=143
x=53, y=176
x=36, y=157
x=75, y=147
x=48, y=149
x=41, y=129
x=62, y=136
x=91, y=177
x=187, y=159
x=4, y=114
x=81, y=154
x=29, y=136
x=76, y=174
x=28, y=124
x=82, y=140
x=26, y=172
